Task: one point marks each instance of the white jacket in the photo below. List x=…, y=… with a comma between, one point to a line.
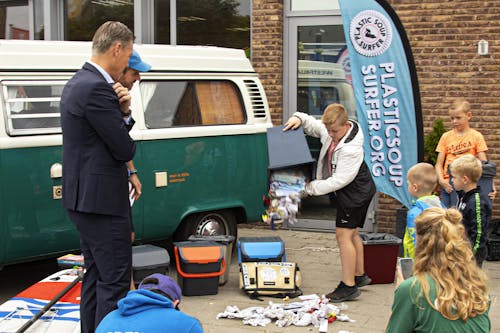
x=346, y=159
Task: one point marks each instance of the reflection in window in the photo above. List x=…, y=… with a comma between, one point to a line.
x=162, y=21
x=320, y=42
x=32, y=107
x=323, y=69
x=14, y=20
x=84, y=17
x=39, y=32
x=223, y=23
x=190, y=103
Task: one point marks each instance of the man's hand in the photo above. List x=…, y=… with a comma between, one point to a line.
x=123, y=97
x=136, y=186
x=292, y=123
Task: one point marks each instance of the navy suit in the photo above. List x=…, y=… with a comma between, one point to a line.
x=96, y=145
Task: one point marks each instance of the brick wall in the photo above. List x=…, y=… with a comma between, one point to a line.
x=267, y=51
x=443, y=35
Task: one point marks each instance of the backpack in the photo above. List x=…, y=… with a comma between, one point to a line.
x=273, y=279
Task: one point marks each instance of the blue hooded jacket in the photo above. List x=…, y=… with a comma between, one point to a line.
x=410, y=237
x=144, y=311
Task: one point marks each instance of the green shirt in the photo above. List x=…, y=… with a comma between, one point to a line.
x=415, y=315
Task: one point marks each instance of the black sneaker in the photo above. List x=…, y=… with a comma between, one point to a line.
x=362, y=280
x=343, y=293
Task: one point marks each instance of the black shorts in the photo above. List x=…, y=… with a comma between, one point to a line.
x=351, y=217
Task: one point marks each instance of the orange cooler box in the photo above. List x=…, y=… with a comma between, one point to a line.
x=199, y=266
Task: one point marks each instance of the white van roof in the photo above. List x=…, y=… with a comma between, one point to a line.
x=33, y=55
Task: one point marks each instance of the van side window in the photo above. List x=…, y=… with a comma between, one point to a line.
x=32, y=107
x=191, y=103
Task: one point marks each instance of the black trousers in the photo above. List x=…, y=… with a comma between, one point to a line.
x=105, y=245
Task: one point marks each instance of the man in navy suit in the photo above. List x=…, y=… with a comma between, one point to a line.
x=96, y=146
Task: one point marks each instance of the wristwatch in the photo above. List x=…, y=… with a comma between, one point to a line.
x=132, y=172
x=126, y=114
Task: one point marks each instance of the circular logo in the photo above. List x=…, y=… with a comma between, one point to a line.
x=370, y=33
x=345, y=61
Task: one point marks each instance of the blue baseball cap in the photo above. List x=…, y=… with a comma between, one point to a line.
x=135, y=62
x=163, y=283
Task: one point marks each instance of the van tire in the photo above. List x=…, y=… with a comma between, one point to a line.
x=212, y=223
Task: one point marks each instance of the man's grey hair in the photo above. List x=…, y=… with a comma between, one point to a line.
x=110, y=33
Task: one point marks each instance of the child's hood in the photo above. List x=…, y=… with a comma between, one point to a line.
x=142, y=300
x=430, y=201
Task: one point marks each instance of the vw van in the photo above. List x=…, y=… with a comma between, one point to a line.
x=201, y=119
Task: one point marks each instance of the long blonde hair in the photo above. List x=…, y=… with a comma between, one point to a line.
x=444, y=253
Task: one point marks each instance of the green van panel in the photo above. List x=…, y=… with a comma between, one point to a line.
x=204, y=174
x=33, y=223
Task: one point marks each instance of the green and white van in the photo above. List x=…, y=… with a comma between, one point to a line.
x=201, y=119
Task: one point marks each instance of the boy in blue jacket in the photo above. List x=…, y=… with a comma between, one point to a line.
x=474, y=206
x=153, y=307
x=422, y=179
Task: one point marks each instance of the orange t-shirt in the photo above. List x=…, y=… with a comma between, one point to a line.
x=454, y=146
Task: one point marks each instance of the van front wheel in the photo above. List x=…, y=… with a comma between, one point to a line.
x=208, y=224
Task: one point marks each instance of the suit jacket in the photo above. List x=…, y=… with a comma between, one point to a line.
x=96, y=145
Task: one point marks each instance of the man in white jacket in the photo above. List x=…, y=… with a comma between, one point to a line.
x=342, y=172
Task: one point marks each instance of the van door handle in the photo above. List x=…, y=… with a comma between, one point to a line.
x=56, y=170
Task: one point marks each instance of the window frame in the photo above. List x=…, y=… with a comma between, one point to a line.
x=191, y=82
x=10, y=115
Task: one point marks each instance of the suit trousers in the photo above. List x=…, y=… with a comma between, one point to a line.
x=105, y=245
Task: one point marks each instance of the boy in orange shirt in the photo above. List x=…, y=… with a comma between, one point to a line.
x=459, y=141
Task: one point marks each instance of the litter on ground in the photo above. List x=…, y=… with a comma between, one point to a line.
x=311, y=310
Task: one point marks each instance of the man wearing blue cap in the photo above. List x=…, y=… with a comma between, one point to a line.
x=130, y=75
x=154, y=307
x=132, y=72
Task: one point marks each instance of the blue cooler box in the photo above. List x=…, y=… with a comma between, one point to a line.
x=261, y=249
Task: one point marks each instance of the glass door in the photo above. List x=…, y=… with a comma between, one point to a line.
x=317, y=73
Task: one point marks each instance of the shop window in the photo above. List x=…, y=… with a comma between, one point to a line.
x=38, y=17
x=32, y=107
x=14, y=20
x=323, y=69
x=308, y=5
x=191, y=103
x=162, y=21
x=84, y=17
x=216, y=23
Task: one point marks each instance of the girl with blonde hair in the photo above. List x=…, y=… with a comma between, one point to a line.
x=448, y=292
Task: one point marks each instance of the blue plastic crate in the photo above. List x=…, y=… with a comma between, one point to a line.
x=261, y=249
